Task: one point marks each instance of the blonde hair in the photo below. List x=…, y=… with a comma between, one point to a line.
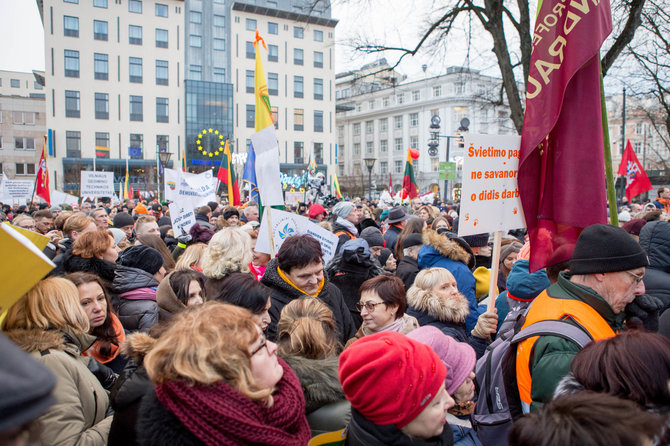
x=142, y=220
x=229, y=251
x=191, y=255
x=306, y=328
x=52, y=304
x=428, y=278
x=207, y=344
x=76, y=222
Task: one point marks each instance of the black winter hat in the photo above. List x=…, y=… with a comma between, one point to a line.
x=604, y=249
x=123, y=219
x=230, y=212
x=373, y=236
x=412, y=240
x=384, y=256
x=142, y=257
x=477, y=240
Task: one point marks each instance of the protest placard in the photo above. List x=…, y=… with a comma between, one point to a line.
x=286, y=224
x=490, y=196
x=96, y=184
x=293, y=198
x=182, y=216
x=58, y=198
x=16, y=190
x=198, y=189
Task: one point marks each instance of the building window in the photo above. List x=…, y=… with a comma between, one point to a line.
x=383, y=145
x=195, y=40
x=298, y=119
x=135, y=6
x=400, y=98
x=219, y=21
x=298, y=152
x=251, y=116
x=102, y=141
x=414, y=142
x=195, y=72
x=163, y=142
x=275, y=115
x=369, y=148
x=398, y=145
x=249, y=77
x=638, y=128
x=18, y=143
x=135, y=69
x=318, y=59
x=219, y=74
x=369, y=127
x=25, y=168
x=298, y=56
x=318, y=152
x=459, y=88
x=162, y=110
x=637, y=146
x=357, y=129
x=134, y=35
x=298, y=87
x=416, y=95
x=195, y=17
x=298, y=32
x=384, y=167
x=72, y=144
x=136, y=142
x=318, y=88
x=437, y=91
x=273, y=84
x=383, y=125
x=357, y=148
x=161, y=38
x=413, y=119
x=161, y=72
x=100, y=3
x=100, y=30
x=250, y=24
x=273, y=53
x=70, y=26
x=101, y=106
x=340, y=131
x=273, y=28
x=318, y=35
x=71, y=63
x=136, y=109
x=251, y=52
x=219, y=44
x=72, y=105
x=397, y=122
x=101, y=66
x=385, y=102
x=318, y=121
x=161, y=10
x=397, y=166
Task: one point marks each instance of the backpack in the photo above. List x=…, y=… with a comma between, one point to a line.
x=498, y=403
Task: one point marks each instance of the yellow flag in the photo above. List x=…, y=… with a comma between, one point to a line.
x=263, y=109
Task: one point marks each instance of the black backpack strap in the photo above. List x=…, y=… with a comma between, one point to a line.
x=562, y=329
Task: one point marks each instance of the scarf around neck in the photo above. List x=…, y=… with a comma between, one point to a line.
x=285, y=278
x=94, y=351
x=403, y=325
x=218, y=414
x=347, y=224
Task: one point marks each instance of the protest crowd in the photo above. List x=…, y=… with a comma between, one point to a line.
x=139, y=336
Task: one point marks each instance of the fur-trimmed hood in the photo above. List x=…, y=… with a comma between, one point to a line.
x=445, y=247
x=36, y=340
x=99, y=267
x=318, y=378
x=137, y=346
x=445, y=310
x=568, y=386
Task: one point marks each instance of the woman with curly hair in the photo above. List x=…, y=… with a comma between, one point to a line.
x=229, y=251
x=191, y=258
x=217, y=380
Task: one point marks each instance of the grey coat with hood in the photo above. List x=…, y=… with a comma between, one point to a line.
x=655, y=240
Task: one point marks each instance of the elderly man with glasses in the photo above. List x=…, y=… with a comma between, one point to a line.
x=606, y=272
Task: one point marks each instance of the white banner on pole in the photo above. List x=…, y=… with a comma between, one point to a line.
x=58, y=198
x=490, y=196
x=286, y=224
x=16, y=190
x=196, y=189
x=267, y=167
x=96, y=184
x=182, y=216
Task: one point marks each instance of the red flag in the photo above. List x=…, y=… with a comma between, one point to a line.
x=390, y=184
x=226, y=175
x=637, y=181
x=409, y=187
x=131, y=193
x=42, y=180
x=561, y=163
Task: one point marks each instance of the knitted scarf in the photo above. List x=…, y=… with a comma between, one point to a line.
x=220, y=415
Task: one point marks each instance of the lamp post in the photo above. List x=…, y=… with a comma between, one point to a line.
x=369, y=163
x=164, y=157
x=434, y=142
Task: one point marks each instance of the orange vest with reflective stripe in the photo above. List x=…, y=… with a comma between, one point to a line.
x=543, y=308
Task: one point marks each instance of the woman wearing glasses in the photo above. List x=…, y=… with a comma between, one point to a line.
x=382, y=306
x=219, y=381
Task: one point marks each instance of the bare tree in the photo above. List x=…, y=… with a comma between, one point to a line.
x=507, y=22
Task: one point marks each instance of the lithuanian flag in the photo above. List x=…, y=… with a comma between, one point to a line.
x=226, y=175
x=336, y=187
x=409, y=187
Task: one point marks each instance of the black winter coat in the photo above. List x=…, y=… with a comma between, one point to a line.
x=655, y=240
x=407, y=270
x=157, y=426
x=283, y=293
x=101, y=268
x=362, y=432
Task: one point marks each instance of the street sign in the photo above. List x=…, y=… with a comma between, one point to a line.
x=447, y=171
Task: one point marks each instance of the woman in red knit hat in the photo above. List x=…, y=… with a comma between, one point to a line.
x=396, y=387
x=218, y=381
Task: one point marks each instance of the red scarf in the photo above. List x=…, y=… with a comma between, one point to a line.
x=94, y=351
x=220, y=415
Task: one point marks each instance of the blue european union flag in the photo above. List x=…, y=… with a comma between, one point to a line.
x=135, y=152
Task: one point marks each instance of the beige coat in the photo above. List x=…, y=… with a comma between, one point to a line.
x=78, y=418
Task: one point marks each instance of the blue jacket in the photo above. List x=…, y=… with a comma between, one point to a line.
x=439, y=251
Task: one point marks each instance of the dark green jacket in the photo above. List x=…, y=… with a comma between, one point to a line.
x=552, y=356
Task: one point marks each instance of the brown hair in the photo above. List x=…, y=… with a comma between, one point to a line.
x=154, y=241
x=92, y=244
x=298, y=251
x=76, y=222
x=414, y=225
x=390, y=290
x=306, y=328
x=59, y=221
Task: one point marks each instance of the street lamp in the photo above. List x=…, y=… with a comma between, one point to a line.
x=435, y=138
x=370, y=163
x=164, y=157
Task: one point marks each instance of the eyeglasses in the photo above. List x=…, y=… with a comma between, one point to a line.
x=264, y=343
x=370, y=306
x=638, y=278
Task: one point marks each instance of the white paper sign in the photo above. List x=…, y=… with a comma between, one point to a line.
x=97, y=184
x=293, y=198
x=196, y=189
x=286, y=224
x=490, y=196
x=16, y=190
x=267, y=166
x=182, y=216
x=58, y=198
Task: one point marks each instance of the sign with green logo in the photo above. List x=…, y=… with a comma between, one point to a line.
x=447, y=171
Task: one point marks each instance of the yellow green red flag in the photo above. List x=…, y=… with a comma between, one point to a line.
x=336, y=187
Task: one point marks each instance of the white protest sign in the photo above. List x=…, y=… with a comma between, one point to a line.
x=490, y=195
x=292, y=198
x=97, y=184
x=58, y=198
x=16, y=190
x=197, y=189
x=182, y=216
x=267, y=166
x=285, y=224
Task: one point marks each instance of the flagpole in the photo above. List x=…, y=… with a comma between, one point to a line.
x=609, y=176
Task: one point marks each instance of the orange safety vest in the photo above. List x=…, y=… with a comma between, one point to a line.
x=341, y=232
x=543, y=308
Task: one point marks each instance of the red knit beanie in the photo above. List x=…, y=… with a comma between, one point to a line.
x=389, y=378
x=315, y=210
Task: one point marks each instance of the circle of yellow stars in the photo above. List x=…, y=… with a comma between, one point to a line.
x=210, y=153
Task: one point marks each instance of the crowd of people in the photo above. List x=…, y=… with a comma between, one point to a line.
x=144, y=336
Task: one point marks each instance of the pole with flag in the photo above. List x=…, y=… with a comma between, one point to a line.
x=41, y=188
x=183, y=160
x=562, y=161
x=336, y=187
x=126, y=191
x=249, y=175
x=226, y=175
x=390, y=184
x=637, y=181
x=311, y=167
x=409, y=186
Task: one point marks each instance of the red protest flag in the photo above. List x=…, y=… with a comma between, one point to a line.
x=42, y=180
x=561, y=163
x=409, y=187
x=637, y=181
x=390, y=184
